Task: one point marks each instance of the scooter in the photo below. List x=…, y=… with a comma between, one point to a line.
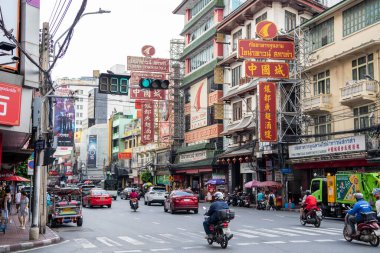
x=368, y=230
x=134, y=204
x=261, y=205
x=312, y=217
x=221, y=233
x=246, y=200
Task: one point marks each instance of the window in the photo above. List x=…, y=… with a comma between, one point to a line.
x=78, y=122
x=80, y=99
x=362, y=66
x=79, y=114
x=237, y=111
x=248, y=31
x=202, y=29
x=79, y=107
x=304, y=20
x=361, y=15
x=362, y=117
x=261, y=18
x=198, y=7
x=315, y=186
x=236, y=75
x=201, y=58
x=249, y=105
x=235, y=38
x=321, y=83
x=80, y=92
x=322, y=126
x=290, y=20
x=322, y=34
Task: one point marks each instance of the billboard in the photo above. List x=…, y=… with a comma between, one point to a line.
x=267, y=112
x=280, y=50
x=266, y=69
x=199, y=103
x=64, y=119
x=147, y=64
x=147, y=122
x=91, y=155
x=10, y=104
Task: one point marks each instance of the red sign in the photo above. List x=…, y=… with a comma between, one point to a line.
x=147, y=122
x=10, y=104
x=266, y=69
x=148, y=51
x=259, y=49
x=146, y=64
x=69, y=173
x=6, y=173
x=53, y=173
x=124, y=155
x=145, y=94
x=266, y=29
x=268, y=112
x=136, y=76
x=204, y=133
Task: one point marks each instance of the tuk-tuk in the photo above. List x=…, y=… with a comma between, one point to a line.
x=66, y=206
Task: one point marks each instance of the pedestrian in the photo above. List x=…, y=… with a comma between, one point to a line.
x=17, y=200
x=24, y=210
x=271, y=201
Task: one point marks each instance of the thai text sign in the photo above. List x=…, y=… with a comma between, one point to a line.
x=266, y=69
x=147, y=122
x=141, y=94
x=281, y=50
x=205, y=133
x=147, y=64
x=344, y=145
x=136, y=76
x=10, y=104
x=193, y=156
x=267, y=110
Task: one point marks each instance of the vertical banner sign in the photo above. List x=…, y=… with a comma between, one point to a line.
x=147, y=122
x=31, y=165
x=92, y=147
x=268, y=111
x=64, y=119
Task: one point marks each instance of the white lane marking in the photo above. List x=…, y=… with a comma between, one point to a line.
x=135, y=218
x=247, y=226
x=130, y=240
x=324, y=240
x=281, y=216
x=257, y=233
x=246, y=243
x=274, y=242
x=155, y=250
x=192, y=234
x=333, y=229
x=268, y=220
x=193, y=247
x=86, y=244
x=107, y=241
x=237, y=215
x=151, y=238
x=317, y=231
x=175, y=238
x=299, y=232
x=157, y=223
x=299, y=241
x=128, y=251
x=183, y=229
x=42, y=247
x=277, y=232
x=244, y=235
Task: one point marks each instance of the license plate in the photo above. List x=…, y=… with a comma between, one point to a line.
x=319, y=213
x=377, y=232
x=226, y=230
x=186, y=200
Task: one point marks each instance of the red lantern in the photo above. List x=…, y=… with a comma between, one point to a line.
x=234, y=160
x=224, y=161
x=246, y=158
x=217, y=161
x=240, y=159
x=229, y=160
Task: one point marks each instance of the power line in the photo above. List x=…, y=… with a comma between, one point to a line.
x=57, y=17
x=62, y=17
x=51, y=14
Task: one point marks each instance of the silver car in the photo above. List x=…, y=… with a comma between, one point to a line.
x=155, y=194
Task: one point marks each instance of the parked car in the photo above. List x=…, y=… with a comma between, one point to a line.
x=181, y=201
x=155, y=194
x=126, y=192
x=97, y=197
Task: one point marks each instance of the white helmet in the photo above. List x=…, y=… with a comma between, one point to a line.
x=218, y=195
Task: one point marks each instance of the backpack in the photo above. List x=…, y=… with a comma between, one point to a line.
x=271, y=199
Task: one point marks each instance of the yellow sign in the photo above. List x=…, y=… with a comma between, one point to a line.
x=171, y=179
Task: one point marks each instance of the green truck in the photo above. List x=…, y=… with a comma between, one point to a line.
x=332, y=192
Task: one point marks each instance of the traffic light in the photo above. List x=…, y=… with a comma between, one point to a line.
x=149, y=83
x=114, y=84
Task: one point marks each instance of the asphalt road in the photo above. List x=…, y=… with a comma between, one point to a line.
x=150, y=229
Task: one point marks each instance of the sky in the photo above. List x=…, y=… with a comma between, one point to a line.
x=103, y=40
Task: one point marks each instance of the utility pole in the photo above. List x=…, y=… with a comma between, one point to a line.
x=39, y=206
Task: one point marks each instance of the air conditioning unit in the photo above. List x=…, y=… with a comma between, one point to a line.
x=373, y=144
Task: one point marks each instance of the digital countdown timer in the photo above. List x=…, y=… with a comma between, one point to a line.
x=114, y=84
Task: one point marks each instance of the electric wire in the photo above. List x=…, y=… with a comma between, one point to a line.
x=51, y=14
x=62, y=17
x=58, y=16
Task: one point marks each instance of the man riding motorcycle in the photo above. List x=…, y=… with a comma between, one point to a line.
x=361, y=206
x=219, y=204
x=133, y=195
x=309, y=204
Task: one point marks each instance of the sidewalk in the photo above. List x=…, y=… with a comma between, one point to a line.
x=16, y=238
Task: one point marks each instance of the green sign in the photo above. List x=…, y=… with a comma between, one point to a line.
x=163, y=180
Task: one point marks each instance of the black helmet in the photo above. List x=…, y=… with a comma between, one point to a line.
x=133, y=190
x=308, y=192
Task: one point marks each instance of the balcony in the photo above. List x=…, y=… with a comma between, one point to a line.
x=115, y=136
x=360, y=92
x=115, y=149
x=317, y=104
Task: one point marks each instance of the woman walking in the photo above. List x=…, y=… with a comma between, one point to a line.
x=24, y=210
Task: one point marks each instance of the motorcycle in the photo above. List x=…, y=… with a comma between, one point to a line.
x=261, y=205
x=368, y=229
x=245, y=200
x=312, y=217
x=134, y=204
x=221, y=233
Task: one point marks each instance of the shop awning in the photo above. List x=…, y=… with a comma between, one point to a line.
x=245, y=149
x=199, y=165
x=246, y=123
x=241, y=89
x=63, y=151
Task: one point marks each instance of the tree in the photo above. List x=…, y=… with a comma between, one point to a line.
x=22, y=169
x=145, y=176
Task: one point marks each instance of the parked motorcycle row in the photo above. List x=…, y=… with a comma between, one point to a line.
x=243, y=200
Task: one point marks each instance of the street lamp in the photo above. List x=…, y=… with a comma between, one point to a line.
x=100, y=11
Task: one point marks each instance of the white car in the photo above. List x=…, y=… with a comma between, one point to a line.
x=155, y=194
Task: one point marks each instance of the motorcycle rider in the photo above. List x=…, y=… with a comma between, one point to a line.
x=219, y=204
x=133, y=195
x=361, y=206
x=309, y=204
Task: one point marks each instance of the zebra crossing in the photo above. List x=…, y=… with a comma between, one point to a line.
x=242, y=237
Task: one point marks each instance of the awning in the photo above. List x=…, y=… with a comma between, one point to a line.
x=245, y=124
x=205, y=164
x=240, y=152
x=63, y=151
x=241, y=89
x=229, y=129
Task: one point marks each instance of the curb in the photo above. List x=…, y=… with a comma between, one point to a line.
x=33, y=244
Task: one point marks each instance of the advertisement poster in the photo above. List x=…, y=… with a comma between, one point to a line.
x=346, y=186
x=10, y=104
x=199, y=101
x=64, y=120
x=91, y=156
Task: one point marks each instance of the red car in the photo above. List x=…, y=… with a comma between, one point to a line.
x=181, y=201
x=97, y=197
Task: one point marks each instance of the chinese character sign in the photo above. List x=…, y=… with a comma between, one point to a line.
x=281, y=50
x=267, y=69
x=147, y=122
x=268, y=111
x=10, y=104
x=141, y=94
